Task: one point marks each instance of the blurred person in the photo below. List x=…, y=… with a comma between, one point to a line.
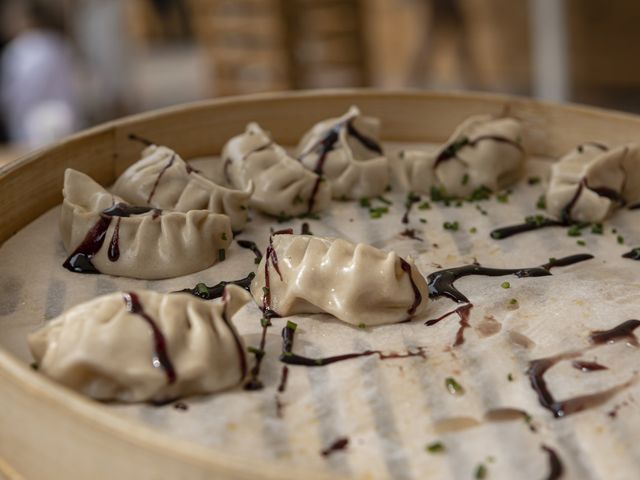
x=37, y=89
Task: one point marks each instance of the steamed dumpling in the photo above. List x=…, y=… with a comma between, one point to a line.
x=589, y=182
x=347, y=152
x=144, y=346
x=357, y=284
x=282, y=185
x=483, y=152
x=102, y=233
x=162, y=179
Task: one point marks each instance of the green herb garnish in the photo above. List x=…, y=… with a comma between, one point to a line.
x=574, y=231
x=453, y=386
x=424, y=206
x=513, y=301
x=223, y=236
x=620, y=239
x=423, y=220
x=222, y=254
x=291, y=325
x=435, y=447
x=265, y=322
x=387, y=201
x=362, y=326
x=505, y=285
x=365, y=203
x=597, y=228
x=465, y=179
x=453, y=226
x=582, y=243
x=541, y=204
x=298, y=199
x=510, y=377
x=202, y=290
x=502, y=197
x=481, y=472
x=378, y=212
x=473, y=230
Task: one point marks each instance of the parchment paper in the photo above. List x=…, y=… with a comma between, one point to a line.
x=390, y=410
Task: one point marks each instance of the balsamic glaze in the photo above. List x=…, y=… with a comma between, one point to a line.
x=113, y=253
x=635, y=206
x=633, y=254
x=138, y=138
x=284, y=375
x=463, y=313
x=537, y=369
x=411, y=233
x=417, y=296
x=305, y=230
x=452, y=149
x=248, y=244
x=411, y=200
x=326, y=144
x=216, y=291
x=160, y=174
x=527, y=226
x=585, y=366
x=161, y=355
x=441, y=283
x=556, y=470
x=288, y=357
x=340, y=444
x=80, y=260
x=617, y=333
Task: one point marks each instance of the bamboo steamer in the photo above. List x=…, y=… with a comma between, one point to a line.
x=47, y=431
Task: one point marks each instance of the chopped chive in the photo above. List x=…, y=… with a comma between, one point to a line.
x=365, y=203
x=291, y=325
x=481, y=472
x=435, y=447
x=480, y=193
x=255, y=351
x=510, y=377
x=453, y=386
x=453, y=226
x=465, y=179
x=513, y=301
x=362, y=326
x=597, y=228
x=265, y=290
x=257, y=260
x=202, y=290
x=423, y=220
x=298, y=199
x=502, y=197
x=265, y=322
x=541, y=204
x=222, y=254
x=582, y=243
x=574, y=231
x=424, y=206
x=387, y=201
x=459, y=204
x=438, y=194
x=620, y=239
x=505, y=285
x=223, y=236
x=473, y=230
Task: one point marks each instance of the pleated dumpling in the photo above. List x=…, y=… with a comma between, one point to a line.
x=102, y=234
x=483, y=152
x=589, y=182
x=283, y=187
x=348, y=153
x=358, y=284
x=162, y=179
x=144, y=346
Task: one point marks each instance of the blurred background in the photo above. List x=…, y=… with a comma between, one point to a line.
x=69, y=64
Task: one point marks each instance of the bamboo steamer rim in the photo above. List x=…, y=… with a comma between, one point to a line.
x=107, y=444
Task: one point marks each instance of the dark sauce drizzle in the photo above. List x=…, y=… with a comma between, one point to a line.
x=411, y=233
x=463, y=313
x=161, y=355
x=556, y=470
x=326, y=144
x=159, y=177
x=248, y=244
x=138, y=138
x=288, y=357
x=284, y=375
x=633, y=254
x=268, y=313
x=340, y=444
x=537, y=369
x=565, y=215
x=417, y=296
x=412, y=199
x=80, y=260
x=216, y=291
x=305, y=230
x=585, y=366
x=441, y=283
x=451, y=150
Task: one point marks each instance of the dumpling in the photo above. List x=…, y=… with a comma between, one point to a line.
x=483, y=152
x=589, y=182
x=162, y=179
x=144, y=346
x=282, y=185
x=357, y=284
x=347, y=152
x=104, y=234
